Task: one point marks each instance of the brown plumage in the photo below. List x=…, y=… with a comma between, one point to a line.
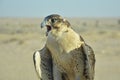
x=65, y=56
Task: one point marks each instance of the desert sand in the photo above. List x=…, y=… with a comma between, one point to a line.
x=21, y=37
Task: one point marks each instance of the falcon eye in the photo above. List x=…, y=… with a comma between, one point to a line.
x=53, y=20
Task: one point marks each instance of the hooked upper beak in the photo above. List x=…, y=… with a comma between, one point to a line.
x=43, y=24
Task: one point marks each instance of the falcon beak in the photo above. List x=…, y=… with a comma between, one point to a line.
x=46, y=24
x=43, y=24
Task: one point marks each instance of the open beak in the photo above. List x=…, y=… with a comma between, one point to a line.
x=46, y=24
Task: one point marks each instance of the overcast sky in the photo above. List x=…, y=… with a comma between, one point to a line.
x=68, y=8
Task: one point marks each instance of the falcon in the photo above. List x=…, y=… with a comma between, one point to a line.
x=65, y=55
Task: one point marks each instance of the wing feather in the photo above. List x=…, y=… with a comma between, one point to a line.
x=89, y=61
x=43, y=64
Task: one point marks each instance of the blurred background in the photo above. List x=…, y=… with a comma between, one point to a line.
x=98, y=21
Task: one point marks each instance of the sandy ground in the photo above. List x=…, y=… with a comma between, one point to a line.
x=19, y=38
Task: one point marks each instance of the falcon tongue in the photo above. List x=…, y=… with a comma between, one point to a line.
x=48, y=28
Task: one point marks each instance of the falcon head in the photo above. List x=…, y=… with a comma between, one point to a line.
x=54, y=22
